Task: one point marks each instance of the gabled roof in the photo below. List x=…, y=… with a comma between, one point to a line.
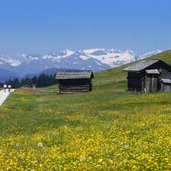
x=140, y=65
x=152, y=71
x=85, y=74
x=166, y=81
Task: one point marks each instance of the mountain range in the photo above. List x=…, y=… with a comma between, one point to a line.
x=90, y=59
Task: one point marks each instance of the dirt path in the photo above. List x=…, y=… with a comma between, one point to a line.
x=4, y=95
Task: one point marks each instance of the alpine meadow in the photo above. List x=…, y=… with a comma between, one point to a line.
x=105, y=129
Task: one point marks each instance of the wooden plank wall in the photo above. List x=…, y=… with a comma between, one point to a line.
x=74, y=88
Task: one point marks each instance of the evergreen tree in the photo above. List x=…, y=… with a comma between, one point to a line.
x=42, y=80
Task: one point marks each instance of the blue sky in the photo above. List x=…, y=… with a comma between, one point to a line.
x=43, y=26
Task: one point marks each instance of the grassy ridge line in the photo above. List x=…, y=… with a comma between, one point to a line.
x=164, y=56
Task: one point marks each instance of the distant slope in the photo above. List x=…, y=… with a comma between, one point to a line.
x=6, y=74
x=116, y=74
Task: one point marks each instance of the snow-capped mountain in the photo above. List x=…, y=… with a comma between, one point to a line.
x=109, y=57
x=92, y=59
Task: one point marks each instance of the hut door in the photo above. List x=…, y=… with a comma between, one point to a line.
x=152, y=84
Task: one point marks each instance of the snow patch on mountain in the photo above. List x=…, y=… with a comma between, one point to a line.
x=90, y=51
x=59, y=55
x=110, y=57
x=9, y=60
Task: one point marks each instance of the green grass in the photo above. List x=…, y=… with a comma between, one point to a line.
x=106, y=129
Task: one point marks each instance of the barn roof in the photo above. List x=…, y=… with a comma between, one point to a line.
x=85, y=74
x=166, y=81
x=152, y=71
x=140, y=65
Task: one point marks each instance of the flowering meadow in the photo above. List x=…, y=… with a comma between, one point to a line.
x=106, y=129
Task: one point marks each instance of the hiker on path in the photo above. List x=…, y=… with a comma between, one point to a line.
x=5, y=87
x=9, y=88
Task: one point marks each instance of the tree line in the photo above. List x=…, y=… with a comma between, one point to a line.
x=42, y=80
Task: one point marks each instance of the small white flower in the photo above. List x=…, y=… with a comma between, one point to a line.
x=126, y=146
x=82, y=158
x=54, y=134
x=17, y=145
x=40, y=144
x=114, y=140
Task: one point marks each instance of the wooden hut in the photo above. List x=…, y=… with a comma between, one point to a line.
x=165, y=84
x=74, y=81
x=149, y=76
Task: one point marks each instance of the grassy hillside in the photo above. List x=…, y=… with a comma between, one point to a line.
x=165, y=56
x=106, y=129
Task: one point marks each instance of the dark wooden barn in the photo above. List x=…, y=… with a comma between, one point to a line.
x=149, y=76
x=74, y=81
